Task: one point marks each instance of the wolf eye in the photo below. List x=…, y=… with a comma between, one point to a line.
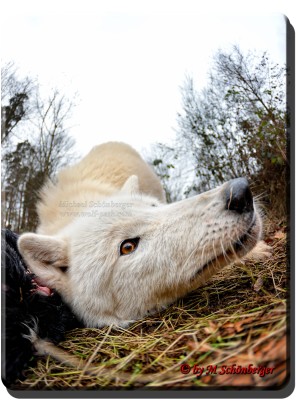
x=128, y=246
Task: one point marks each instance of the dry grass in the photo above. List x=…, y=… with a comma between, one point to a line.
x=239, y=318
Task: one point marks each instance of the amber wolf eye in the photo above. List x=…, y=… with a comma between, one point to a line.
x=128, y=246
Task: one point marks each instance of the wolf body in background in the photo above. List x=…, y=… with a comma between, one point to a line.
x=115, y=251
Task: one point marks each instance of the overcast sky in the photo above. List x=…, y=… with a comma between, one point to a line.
x=127, y=66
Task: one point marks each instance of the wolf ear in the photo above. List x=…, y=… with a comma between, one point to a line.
x=47, y=258
x=131, y=185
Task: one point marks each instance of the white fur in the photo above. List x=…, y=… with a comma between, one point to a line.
x=113, y=195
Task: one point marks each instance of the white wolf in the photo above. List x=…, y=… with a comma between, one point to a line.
x=115, y=251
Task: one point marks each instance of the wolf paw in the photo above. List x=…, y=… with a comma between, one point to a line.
x=259, y=253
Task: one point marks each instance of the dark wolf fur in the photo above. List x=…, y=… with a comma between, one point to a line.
x=24, y=308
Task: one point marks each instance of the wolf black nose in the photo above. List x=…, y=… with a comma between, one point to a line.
x=238, y=196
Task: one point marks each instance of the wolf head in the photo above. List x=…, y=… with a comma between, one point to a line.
x=129, y=255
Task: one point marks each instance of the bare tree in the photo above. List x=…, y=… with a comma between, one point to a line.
x=15, y=96
x=52, y=142
x=20, y=168
x=235, y=126
x=28, y=162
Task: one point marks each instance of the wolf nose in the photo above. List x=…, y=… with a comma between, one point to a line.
x=238, y=196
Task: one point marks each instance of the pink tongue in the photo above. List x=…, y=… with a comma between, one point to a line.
x=43, y=290
x=40, y=288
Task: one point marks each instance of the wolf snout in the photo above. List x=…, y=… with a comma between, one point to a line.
x=238, y=196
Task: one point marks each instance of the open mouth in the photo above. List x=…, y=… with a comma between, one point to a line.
x=225, y=258
x=40, y=288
